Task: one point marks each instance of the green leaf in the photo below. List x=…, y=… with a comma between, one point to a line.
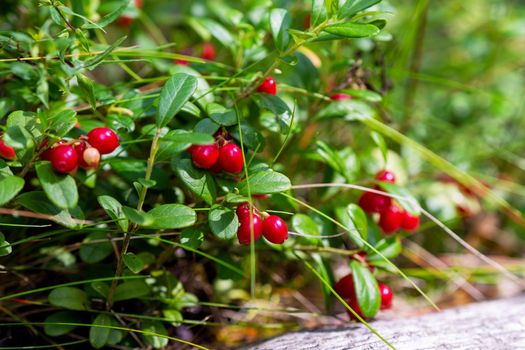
x=410, y=204
x=174, y=94
x=69, y=298
x=192, y=237
x=305, y=225
x=9, y=188
x=351, y=7
x=92, y=63
x=354, y=218
x=353, y=30
x=390, y=247
x=62, y=122
x=114, y=209
x=56, y=330
x=221, y=115
x=279, y=24
x=171, y=216
x=95, y=252
x=323, y=267
x=206, y=126
x=5, y=246
x=366, y=95
x=223, y=222
x=19, y=138
x=266, y=181
x=60, y=189
x=192, y=138
x=366, y=289
x=110, y=17
x=347, y=109
x=38, y=202
x=318, y=14
x=278, y=107
x=131, y=290
x=158, y=328
x=200, y=182
x=138, y=217
x=88, y=90
x=99, y=336
x=133, y=262
x=380, y=142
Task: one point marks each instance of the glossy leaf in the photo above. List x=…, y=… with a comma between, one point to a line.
x=279, y=24
x=352, y=30
x=9, y=188
x=171, y=216
x=99, y=336
x=223, y=222
x=366, y=289
x=173, y=95
x=60, y=189
x=351, y=7
x=69, y=298
x=266, y=181
x=200, y=182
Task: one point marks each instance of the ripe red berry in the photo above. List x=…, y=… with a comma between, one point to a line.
x=205, y=156
x=352, y=302
x=386, y=295
x=6, y=152
x=340, y=97
x=386, y=176
x=64, y=158
x=208, y=51
x=125, y=21
x=230, y=158
x=391, y=219
x=244, y=233
x=410, y=222
x=80, y=148
x=268, y=86
x=243, y=210
x=275, y=229
x=216, y=168
x=374, y=203
x=103, y=139
x=345, y=287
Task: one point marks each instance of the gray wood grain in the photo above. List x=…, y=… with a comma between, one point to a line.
x=494, y=325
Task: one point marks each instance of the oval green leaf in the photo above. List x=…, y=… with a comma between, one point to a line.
x=174, y=94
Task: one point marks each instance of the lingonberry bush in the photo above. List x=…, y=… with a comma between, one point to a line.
x=166, y=164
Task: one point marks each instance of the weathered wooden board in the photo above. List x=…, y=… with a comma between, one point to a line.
x=492, y=325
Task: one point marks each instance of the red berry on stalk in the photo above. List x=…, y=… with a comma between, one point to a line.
x=410, y=222
x=386, y=176
x=340, y=97
x=47, y=153
x=64, y=158
x=386, y=295
x=244, y=232
x=374, y=203
x=243, y=210
x=208, y=51
x=80, y=148
x=268, y=86
x=275, y=229
x=230, y=158
x=205, y=156
x=352, y=302
x=103, y=139
x=6, y=152
x=345, y=287
x=391, y=219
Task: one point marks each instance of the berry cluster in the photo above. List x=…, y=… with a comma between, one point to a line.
x=67, y=156
x=272, y=227
x=222, y=155
x=391, y=216
x=346, y=289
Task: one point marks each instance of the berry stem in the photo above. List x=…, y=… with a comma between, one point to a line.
x=127, y=237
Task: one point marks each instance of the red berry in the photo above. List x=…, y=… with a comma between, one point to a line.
x=80, y=148
x=268, y=86
x=208, y=51
x=103, y=139
x=205, y=156
x=125, y=21
x=244, y=233
x=374, y=202
x=391, y=219
x=182, y=63
x=275, y=229
x=64, y=158
x=6, y=152
x=260, y=196
x=230, y=158
x=352, y=302
x=340, y=97
x=138, y=3
x=46, y=155
x=243, y=210
x=216, y=168
x=386, y=176
x=386, y=296
x=307, y=21
x=410, y=222
x=345, y=287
